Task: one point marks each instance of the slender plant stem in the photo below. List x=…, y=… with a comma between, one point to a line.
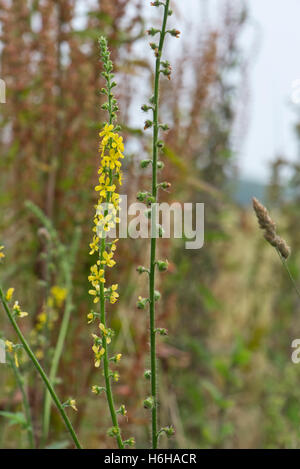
x=20, y=381
x=285, y=265
x=153, y=229
x=40, y=371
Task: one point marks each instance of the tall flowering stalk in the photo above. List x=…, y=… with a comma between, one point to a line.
x=161, y=67
x=111, y=152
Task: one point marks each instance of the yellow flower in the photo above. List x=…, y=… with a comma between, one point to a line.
x=42, y=319
x=114, y=295
x=11, y=348
x=9, y=294
x=118, y=357
x=96, y=275
x=90, y=318
x=39, y=354
x=59, y=295
x=2, y=255
x=18, y=312
x=72, y=403
x=105, y=333
x=99, y=352
x=107, y=259
x=94, y=245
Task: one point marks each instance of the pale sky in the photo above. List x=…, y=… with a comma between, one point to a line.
x=274, y=28
x=273, y=32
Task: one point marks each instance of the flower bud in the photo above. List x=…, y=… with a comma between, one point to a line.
x=147, y=374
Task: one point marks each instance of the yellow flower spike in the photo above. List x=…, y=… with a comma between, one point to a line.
x=106, y=218
x=118, y=357
x=9, y=294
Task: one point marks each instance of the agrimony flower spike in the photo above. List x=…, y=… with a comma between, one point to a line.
x=106, y=218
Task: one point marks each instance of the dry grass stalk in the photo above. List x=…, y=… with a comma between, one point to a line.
x=267, y=224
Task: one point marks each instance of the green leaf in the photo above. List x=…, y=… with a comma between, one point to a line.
x=15, y=418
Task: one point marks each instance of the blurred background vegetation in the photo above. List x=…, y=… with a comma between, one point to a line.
x=226, y=378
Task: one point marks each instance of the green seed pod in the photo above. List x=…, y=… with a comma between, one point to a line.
x=141, y=196
x=145, y=163
x=149, y=403
x=141, y=269
x=148, y=124
x=141, y=304
x=113, y=431
x=130, y=442
x=162, y=265
x=161, y=331
x=157, y=295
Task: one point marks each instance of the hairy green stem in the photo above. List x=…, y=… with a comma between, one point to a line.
x=285, y=265
x=40, y=371
x=20, y=382
x=153, y=230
